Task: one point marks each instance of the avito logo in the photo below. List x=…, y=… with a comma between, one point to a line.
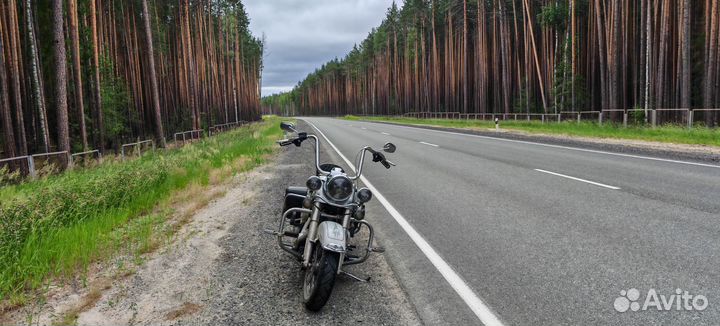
x=680, y=301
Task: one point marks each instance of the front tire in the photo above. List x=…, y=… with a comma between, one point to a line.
x=320, y=278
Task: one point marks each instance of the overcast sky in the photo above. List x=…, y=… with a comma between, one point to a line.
x=301, y=35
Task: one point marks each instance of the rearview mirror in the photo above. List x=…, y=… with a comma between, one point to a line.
x=389, y=148
x=287, y=126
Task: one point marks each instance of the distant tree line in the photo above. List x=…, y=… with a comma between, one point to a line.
x=92, y=74
x=524, y=56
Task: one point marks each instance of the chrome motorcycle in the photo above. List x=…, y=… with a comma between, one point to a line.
x=318, y=220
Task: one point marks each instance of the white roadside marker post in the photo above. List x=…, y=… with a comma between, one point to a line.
x=497, y=124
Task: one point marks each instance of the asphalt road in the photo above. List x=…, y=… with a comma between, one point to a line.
x=541, y=235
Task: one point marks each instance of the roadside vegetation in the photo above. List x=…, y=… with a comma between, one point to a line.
x=665, y=133
x=54, y=227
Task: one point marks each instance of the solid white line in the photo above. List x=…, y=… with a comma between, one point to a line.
x=564, y=147
x=482, y=311
x=578, y=179
x=429, y=144
x=384, y=133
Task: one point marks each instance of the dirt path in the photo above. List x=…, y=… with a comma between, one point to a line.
x=220, y=268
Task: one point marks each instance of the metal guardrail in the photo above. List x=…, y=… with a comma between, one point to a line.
x=137, y=145
x=224, y=127
x=194, y=134
x=30, y=159
x=599, y=115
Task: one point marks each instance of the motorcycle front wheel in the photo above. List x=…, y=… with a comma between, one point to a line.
x=320, y=278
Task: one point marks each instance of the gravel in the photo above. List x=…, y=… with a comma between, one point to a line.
x=259, y=284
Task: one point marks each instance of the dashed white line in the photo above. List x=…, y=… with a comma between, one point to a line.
x=429, y=144
x=578, y=179
x=563, y=147
x=384, y=133
x=481, y=310
x=363, y=128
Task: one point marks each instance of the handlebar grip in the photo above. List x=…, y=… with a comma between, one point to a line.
x=386, y=164
x=285, y=142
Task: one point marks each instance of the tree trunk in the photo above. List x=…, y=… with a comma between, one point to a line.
x=77, y=70
x=97, y=99
x=685, y=56
x=5, y=112
x=60, y=77
x=35, y=78
x=159, y=134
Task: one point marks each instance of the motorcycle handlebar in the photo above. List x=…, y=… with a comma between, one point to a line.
x=377, y=156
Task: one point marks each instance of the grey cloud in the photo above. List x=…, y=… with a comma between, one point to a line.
x=302, y=35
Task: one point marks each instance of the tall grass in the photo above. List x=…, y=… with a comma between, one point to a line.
x=667, y=134
x=56, y=226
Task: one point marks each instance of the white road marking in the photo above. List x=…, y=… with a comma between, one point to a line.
x=429, y=144
x=384, y=133
x=363, y=128
x=565, y=147
x=578, y=179
x=482, y=311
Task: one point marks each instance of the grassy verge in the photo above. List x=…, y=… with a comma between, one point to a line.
x=57, y=226
x=665, y=134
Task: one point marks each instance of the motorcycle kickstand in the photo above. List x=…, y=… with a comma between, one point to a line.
x=363, y=280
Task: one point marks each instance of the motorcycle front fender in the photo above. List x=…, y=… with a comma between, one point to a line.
x=331, y=236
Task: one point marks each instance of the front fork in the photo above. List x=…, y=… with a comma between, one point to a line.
x=312, y=235
x=345, y=225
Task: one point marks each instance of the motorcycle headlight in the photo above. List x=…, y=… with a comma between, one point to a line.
x=339, y=188
x=313, y=183
x=364, y=195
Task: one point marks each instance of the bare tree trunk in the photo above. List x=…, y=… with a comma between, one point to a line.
x=648, y=58
x=60, y=77
x=526, y=4
x=97, y=99
x=15, y=74
x=661, y=73
x=602, y=55
x=159, y=134
x=685, y=56
x=5, y=113
x=77, y=70
x=35, y=76
x=711, y=67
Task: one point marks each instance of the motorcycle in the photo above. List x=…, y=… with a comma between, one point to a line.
x=318, y=220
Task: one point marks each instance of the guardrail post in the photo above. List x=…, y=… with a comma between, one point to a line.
x=690, y=118
x=70, y=160
x=600, y=116
x=31, y=167
x=578, y=117
x=654, y=118
x=625, y=119
x=542, y=118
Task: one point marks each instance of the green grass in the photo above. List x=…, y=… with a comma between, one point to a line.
x=665, y=134
x=57, y=226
